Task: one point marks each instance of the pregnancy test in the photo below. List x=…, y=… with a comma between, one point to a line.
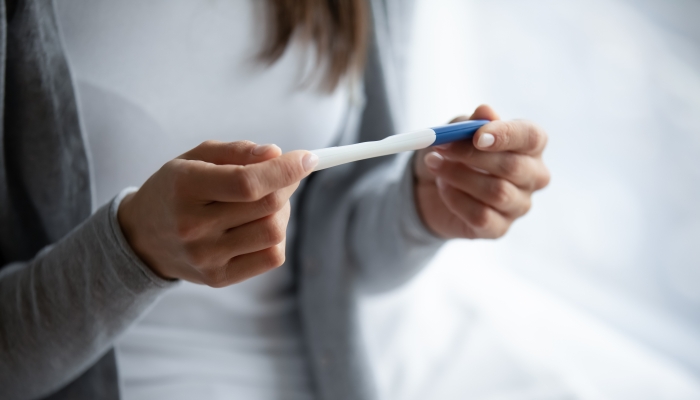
x=333, y=156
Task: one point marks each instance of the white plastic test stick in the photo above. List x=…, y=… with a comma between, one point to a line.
x=333, y=156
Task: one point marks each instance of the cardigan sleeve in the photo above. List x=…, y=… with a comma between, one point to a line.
x=389, y=242
x=62, y=310
x=364, y=214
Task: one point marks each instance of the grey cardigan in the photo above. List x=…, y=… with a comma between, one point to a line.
x=69, y=282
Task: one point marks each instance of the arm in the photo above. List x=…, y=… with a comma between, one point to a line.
x=368, y=206
x=478, y=188
x=215, y=215
x=388, y=240
x=62, y=307
x=470, y=189
x=62, y=310
x=373, y=206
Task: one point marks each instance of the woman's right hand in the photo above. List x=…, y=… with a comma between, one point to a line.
x=216, y=215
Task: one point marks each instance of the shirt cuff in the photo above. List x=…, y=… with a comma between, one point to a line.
x=124, y=246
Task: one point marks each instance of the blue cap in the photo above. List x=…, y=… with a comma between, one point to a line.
x=457, y=131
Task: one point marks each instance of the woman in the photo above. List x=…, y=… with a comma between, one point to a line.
x=149, y=82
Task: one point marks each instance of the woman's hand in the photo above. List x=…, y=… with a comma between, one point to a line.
x=476, y=189
x=216, y=215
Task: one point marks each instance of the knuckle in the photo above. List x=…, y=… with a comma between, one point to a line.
x=273, y=202
x=501, y=231
x=172, y=165
x=544, y=179
x=507, y=133
x=240, y=146
x=291, y=171
x=186, y=229
x=213, y=277
x=247, y=185
x=495, y=234
x=207, y=144
x=275, y=231
x=536, y=138
x=512, y=165
x=277, y=256
x=218, y=284
x=181, y=172
x=480, y=218
x=243, y=144
x=466, y=232
x=499, y=192
x=195, y=257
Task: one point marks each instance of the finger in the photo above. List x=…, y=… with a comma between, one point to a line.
x=251, y=237
x=517, y=136
x=212, y=220
x=242, y=183
x=242, y=152
x=247, y=266
x=485, y=111
x=243, y=267
x=484, y=221
x=493, y=191
x=482, y=112
x=421, y=169
x=224, y=216
x=526, y=172
x=250, y=265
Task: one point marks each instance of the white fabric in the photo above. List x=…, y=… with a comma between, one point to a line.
x=155, y=79
x=595, y=293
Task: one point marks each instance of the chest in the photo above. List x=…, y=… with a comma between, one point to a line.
x=156, y=78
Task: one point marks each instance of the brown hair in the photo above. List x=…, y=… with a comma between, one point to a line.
x=337, y=28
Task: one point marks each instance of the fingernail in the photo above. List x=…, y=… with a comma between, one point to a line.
x=440, y=183
x=434, y=160
x=486, y=140
x=479, y=170
x=309, y=161
x=262, y=149
x=443, y=146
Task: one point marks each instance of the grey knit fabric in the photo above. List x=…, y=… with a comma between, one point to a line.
x=70, y=284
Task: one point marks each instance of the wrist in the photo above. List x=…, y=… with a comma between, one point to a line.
x=127, y=218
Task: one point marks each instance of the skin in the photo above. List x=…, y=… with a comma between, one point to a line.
x=218, y=214
x=469, y=190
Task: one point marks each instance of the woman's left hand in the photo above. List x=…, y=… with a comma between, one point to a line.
x=476, y=189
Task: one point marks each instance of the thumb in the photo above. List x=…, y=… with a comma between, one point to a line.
x=485, y=112
x=482, y=112
x=242, y=152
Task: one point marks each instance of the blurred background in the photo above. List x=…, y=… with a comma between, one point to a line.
x=595, y=294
